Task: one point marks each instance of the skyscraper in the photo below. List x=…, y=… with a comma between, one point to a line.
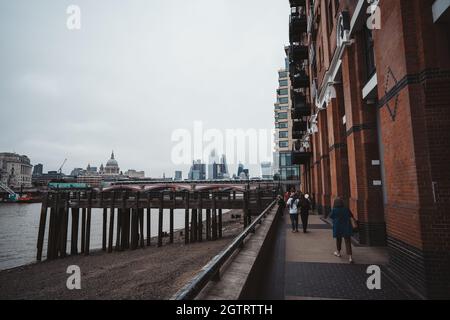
x=197, y=171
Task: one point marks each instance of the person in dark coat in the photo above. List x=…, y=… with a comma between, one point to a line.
x=281, y=205
x=305, y=207
x=342, y=227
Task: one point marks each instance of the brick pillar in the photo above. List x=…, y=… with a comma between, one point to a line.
x=317, y=185
x=338, y=147
x=324, y=164
x=366, y=200
x=415, y=122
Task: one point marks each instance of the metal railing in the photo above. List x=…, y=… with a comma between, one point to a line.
x=212, y=270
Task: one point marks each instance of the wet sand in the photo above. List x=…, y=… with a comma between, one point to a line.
x=149, y=273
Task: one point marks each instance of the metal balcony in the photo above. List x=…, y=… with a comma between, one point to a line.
x=300, y=157
x=300, y=80
x=299, y=126
x=298, y=52
x=297, y=26
x=297, y=3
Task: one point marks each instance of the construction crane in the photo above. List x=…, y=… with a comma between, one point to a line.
x=60, y=168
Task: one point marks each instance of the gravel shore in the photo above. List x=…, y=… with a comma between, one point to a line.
x=149, y=273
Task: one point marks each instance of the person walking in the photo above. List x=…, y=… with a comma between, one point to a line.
x=305, y=207
x=281, y=205
x=342, y=228
x=292, y=204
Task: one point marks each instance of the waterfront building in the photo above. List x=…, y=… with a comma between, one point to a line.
x=133, y=174
x=377, y=108
x=93, y=180
x=287, y=171
x=15, y=170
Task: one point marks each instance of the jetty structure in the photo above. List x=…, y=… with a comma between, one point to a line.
x=127, y=208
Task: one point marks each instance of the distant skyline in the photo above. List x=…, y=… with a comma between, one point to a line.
x=134, y=73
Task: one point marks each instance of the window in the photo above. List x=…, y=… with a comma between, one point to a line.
x=284, y=134
x=283, y=100
x=283, y=125
x=284, y=144
x=283, y=74
x=282, y=115
x=283, y=83
x=285, y=159
x=370, y=55
x=284, y=92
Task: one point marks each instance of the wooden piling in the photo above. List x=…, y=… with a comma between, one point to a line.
x=149, y=217
x=173, y=204
x=74, y=233
x=186, y=218
x=208, y=224
x=111, y=224
x=88, y=225
x=41, y=232
x=160, y=218
x=214, y=217
x=220, y=220
x=200, y=218
x=141, y=227
x=105, y=222
x=83, y=230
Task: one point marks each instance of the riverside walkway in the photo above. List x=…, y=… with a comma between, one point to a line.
x=303, y=267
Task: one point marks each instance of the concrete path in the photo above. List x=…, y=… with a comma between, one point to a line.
x=304, y=267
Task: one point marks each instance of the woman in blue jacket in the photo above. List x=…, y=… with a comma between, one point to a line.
x=342, y=227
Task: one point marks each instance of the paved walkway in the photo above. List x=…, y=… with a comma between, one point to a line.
x=305, y=268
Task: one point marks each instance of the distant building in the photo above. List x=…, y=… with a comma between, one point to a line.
x=91, y=170
x=45, y=178
x=242, y=173
x=77, y=172
x=38, y=169
x=94, y=181
x=198, y=171
x=178, y=175
x=15, y=170
x=131, y=173
x=266, y=170
x=217, y=168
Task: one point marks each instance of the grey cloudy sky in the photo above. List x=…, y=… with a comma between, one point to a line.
x=136, y=71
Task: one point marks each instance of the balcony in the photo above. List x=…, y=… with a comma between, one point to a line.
x=300, y=155
x=297, y=3
x=300, y=80
x=297, y=26
x=300, y=126
x=298, y=52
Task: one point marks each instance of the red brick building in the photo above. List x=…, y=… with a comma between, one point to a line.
x=378, y=124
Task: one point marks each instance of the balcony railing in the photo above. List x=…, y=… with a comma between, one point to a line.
x=298, y=52
x=300, y=157
x=300, y=80
x=298, y=25
x=297, y=3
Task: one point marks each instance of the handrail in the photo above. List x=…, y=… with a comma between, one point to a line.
x=212, y=269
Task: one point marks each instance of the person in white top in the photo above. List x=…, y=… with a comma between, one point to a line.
x=292, y=204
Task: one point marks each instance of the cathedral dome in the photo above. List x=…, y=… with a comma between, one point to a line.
x=112, y=167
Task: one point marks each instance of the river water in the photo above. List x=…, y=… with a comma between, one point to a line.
x=19, y=224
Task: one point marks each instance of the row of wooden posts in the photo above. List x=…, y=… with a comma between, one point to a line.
x=126, y=213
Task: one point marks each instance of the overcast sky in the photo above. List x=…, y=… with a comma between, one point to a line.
x=136, y=71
